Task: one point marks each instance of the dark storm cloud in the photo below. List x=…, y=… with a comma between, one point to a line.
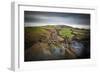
x=54, y=17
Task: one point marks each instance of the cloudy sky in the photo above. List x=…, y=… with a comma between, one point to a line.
x=33, y=18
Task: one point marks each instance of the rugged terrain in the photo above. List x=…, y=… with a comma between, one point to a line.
x=56, y=42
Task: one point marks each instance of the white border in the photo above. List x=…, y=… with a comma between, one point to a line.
x=17, y=61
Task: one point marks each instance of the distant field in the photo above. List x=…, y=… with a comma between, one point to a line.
x=56, y=42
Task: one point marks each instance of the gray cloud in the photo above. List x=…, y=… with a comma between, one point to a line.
x=56, y=18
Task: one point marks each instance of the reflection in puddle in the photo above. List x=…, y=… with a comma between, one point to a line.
x=77, y=46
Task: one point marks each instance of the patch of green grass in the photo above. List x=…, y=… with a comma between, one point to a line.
x=66, y=33
x=35, y=29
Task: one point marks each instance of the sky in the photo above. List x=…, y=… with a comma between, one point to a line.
x=36, y=18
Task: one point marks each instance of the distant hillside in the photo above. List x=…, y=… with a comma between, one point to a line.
x=84, y=26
